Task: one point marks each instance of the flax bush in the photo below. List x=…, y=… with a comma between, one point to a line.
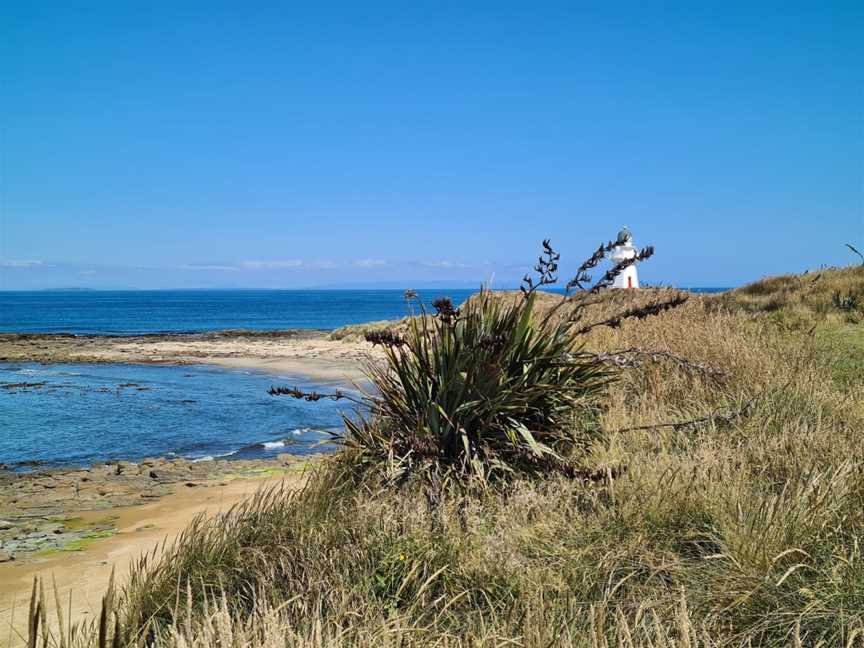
x=486, y=390
x=497, y=387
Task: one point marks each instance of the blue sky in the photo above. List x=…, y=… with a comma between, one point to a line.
x=214, y=144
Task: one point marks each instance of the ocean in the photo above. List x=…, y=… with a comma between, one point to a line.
x=193, y=311
x=77, y=414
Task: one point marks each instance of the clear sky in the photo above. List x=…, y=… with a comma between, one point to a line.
x=180, y=144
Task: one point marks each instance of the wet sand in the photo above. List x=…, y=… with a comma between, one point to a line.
x=139, y=529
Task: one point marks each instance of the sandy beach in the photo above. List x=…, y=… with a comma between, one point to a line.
x=84, y=568
x=74, y=526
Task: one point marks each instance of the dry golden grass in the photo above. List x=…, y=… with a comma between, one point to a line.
x=741, y=529
x=803, y=299
x=356, y=332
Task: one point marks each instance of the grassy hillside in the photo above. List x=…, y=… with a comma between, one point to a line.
x=810, y=298
x=829, y=303
x=719, y=501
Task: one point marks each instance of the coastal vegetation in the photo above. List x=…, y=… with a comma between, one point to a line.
x=613, y=468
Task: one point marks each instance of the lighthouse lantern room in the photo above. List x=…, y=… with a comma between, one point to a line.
x=623, y=250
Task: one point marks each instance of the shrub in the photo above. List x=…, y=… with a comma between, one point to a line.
x=846, y=302
x=485, y=389
x=492, y=388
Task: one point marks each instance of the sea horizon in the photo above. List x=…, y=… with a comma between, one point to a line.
x=188, y=311
x=187, y=411
x=386, y=287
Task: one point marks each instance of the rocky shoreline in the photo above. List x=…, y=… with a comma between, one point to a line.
x=51, y=348
x=40, y=510
x=312, y=353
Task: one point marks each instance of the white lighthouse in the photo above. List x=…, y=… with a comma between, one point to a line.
x=623, y=250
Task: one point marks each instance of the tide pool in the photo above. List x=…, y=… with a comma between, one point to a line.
x=76, y=414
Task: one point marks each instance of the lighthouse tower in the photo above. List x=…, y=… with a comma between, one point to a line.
x=623, y=250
